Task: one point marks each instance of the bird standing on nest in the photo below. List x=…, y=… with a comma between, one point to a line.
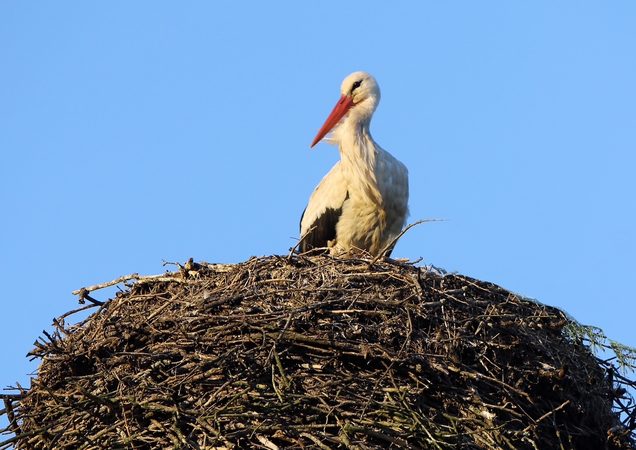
x=362, y=202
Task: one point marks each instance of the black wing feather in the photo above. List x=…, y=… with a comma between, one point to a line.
x=322, y=231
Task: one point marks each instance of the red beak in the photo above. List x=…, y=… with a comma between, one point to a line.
x=342, y=107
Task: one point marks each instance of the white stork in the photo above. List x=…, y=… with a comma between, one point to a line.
x=362, y=203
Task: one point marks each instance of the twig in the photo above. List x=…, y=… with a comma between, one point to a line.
x=132, y=276
x=165, y=263
x=399, y=442
x=550, y=412
x=82, y=308
x=302, y=238
x=394, y=240
x=315, y=440
x=169, y=277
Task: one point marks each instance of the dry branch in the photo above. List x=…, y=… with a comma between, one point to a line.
x=395, y=239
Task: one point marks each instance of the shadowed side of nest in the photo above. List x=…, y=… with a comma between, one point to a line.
x=316, y=352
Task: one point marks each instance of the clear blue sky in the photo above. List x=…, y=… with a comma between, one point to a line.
x=132, y=132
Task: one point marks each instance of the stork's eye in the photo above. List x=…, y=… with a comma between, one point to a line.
x=356, y=85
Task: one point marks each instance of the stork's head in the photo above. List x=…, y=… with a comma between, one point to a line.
x=360, y=96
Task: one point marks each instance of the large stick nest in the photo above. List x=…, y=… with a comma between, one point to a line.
x=316, y=352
